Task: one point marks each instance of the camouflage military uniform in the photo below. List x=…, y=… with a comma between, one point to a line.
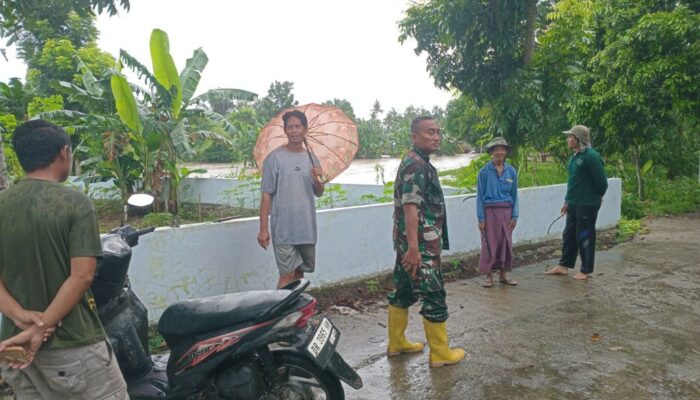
x=417, y=182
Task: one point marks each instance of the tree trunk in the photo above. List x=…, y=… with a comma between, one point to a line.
x=530, y=31
x=4, y=177
x=640, y=182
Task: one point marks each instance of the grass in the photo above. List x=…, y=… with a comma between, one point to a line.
x=536, y=173
x=627, y=228
x=663, y=196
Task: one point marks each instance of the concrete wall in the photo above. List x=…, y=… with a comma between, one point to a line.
x=213, y=258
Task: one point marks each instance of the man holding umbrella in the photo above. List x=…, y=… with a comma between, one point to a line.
x=420, y=234
x=292, y=176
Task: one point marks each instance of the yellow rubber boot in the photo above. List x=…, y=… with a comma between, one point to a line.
x=440, y=353
x=398, y=321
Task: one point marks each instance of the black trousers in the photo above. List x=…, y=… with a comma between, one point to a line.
x=579, y=237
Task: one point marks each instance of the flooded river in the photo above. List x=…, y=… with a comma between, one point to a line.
x=368, y=171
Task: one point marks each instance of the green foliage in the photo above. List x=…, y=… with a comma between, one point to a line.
x=480, y=48
x=44, y=104
x=386, y=197
x=165, y=71
x=627, y=228
x=343, y=105
x=279, y=97
x=158, y=219
x=246, y=193
x=332, y=195
x=14, y=98
x=372, y=285
x=466, y=177
x=631, y=207
x=391, y=135
x=245, y=125
x=466, y=121
x=667, y=197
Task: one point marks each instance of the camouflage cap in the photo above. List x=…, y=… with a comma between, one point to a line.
x=580, y=132
x=497, y=141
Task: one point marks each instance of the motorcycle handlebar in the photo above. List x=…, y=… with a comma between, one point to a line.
x=140, y=232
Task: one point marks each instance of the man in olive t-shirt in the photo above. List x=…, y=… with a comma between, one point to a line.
x=48, y=248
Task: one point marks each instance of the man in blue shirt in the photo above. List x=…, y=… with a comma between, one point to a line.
x=497, y=211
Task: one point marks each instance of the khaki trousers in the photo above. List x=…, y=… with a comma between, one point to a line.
x=82, y=373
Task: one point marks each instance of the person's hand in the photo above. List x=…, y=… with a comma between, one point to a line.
x=26, y=318
x=264, y=238
x=30, y=339
x=411, y=261
x=318, y=174
x=482, y=226
x=564, y=209
x=513, y=222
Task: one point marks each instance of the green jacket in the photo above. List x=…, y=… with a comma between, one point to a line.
x=587, y=181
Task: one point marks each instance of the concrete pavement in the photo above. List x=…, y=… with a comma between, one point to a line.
x=630, y=332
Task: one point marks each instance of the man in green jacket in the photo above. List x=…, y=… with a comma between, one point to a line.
x=585, y=188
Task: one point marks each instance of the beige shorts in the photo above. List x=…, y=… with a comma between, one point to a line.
x=82, y=373
x=290, y=257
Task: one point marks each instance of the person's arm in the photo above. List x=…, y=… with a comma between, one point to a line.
x=264, y=233
x=411, y=260
x=317, y=179
x=480, y=193
x=600, y=179
x=10, y=308
x=514, y=195
x=412, y=197
x=69, y=294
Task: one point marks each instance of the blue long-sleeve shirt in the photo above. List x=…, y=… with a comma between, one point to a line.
x=492, y=188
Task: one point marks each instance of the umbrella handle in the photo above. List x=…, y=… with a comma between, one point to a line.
x=319, y=179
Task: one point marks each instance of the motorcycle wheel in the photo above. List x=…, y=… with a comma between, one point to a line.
x=302, y=379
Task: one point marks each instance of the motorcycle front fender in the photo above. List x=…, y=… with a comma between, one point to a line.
x=338, y=367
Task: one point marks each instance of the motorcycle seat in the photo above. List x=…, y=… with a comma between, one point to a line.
x=188, y=317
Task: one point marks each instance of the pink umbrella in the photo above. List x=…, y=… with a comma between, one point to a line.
x=331, y=137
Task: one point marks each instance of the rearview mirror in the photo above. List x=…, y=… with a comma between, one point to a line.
x=140, y=200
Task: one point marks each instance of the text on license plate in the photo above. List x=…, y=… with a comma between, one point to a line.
x=324, y=332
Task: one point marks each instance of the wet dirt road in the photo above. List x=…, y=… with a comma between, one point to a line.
x=630, y=332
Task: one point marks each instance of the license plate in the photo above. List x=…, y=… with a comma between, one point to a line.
x=323, y=342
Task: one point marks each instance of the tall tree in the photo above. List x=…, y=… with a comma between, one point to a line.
x=480, y=48
x=376, y=110
x=344, y=105
x=279, y=96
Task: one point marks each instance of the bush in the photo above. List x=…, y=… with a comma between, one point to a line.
x=632, y=208
x=628, y=228
x=158, y=219
x=672, y=196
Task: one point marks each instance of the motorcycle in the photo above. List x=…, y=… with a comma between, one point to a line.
x=251, y=345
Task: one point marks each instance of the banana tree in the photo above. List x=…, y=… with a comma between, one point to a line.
x=158, y=115
x=108, y=147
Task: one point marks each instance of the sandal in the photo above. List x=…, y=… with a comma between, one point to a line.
x=508, y=282
x=487, y=284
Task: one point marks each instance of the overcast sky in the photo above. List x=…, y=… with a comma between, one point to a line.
x=328, y=48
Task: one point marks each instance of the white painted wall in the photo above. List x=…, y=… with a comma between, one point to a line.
x=246, y=194
x=214, y=258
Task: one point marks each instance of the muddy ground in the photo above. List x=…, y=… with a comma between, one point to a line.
x=369, y=293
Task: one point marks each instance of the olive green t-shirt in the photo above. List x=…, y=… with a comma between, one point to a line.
x=43, y=225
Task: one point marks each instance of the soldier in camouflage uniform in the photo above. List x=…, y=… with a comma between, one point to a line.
x=420, y=234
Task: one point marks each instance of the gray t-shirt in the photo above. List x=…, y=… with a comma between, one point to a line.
x=287, y=177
